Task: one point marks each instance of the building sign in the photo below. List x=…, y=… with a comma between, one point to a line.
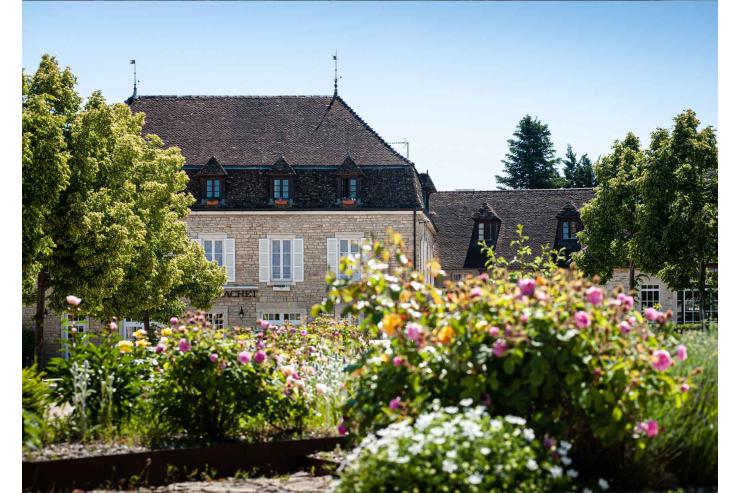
x=240, y=293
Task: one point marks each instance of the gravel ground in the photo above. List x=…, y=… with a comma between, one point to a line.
x=300, y=482
x=74, y=450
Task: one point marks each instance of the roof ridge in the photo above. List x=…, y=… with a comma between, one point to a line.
x=517, y=190
x=230, y=96
x=372, y=130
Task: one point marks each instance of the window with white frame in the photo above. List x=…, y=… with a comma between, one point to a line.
x=689, y=306
x=128, y=327
x=221, y=250
x=281, y=260
x=649, y=296
x=217, y=319
x=279, y=317
x=344, y=245
x=457, y=276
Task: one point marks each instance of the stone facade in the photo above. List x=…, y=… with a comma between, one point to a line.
x=246, y=294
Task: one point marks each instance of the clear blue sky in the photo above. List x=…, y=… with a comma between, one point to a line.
x=452, y=78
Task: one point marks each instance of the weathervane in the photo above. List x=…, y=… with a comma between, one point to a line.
x=133, y=62
x=335, y=74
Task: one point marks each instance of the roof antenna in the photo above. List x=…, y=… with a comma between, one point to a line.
x=133, y=62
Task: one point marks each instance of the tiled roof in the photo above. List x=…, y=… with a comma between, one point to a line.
x=257, y=130
x=536, y=210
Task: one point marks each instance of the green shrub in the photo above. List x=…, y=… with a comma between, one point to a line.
x=522, y=340
x=458, y=449
x=36, y=402
x=101, y=382
x=220, y=384
x=687, y=449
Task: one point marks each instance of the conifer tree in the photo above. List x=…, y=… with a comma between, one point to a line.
x=530, y=162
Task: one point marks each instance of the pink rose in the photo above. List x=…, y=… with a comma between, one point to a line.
x=628, y=302
x=681, y=353
x=213, y=357
x=397, y=361
x=476, y=292
x=73, y=300
x=483, y=277
x=662, y=360
x=650, y=428
x=259, y=356
x=160, y=348
x=494, y=331
x=594, y=295
x=582, y=319
x=499, y=348
x=184, y=346
x=174, y=321
x=625, y=327
x=244, y=357
x=113, y=326
x=413, y=332
x=264, y=324
x=652, y=314
x=342, y=429
x=304, y=332
x=524, y=318
x=526, y=286
x=395, y=404
x=685, y=388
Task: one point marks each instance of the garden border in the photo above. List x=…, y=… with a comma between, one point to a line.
x=155, y=467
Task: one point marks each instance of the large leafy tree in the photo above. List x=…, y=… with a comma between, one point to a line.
x=577, y=173
x=678, y=213
x=609, y=219
x=103, y=232
x=530, y=162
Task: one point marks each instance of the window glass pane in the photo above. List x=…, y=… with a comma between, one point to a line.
x=355, y=247
x=218, y=255
x=208, y=247
x=286, y=259
x=343, y=248
x=481, y=232
x=276, y=259
x=216, y=188
x=209, y=188
x=285, y=189
x=566, y=231
x=649, y=296
x=276, y=188
x=353, y=188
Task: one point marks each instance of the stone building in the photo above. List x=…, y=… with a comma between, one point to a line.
x=287, y=185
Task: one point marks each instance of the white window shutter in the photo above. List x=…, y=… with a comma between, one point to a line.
x=298, y=260
x=264, y=255
x=331, y=254
x=230, y=259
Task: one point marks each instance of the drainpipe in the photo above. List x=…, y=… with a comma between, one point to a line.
x=414, y=237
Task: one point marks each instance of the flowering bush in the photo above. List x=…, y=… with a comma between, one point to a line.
x=101, y=383
x=225, y=382
x=531, y=340
x=456, y=449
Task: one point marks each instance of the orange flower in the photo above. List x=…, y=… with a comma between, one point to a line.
x=446, y=334
x=540, y=281
x=391, y=323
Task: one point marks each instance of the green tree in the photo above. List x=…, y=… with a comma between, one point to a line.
x=111, y=235
x=678, y=215
x=49, y=102
x=530, y=162
x=577, y=173
x=609, y=219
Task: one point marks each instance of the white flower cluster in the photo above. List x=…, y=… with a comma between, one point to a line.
x=463, y=442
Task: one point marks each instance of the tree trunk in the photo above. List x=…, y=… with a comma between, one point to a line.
x=632, y=276
x=40, y=316
x=702, y=289
x=146, y=322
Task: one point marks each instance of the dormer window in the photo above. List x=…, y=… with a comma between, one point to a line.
x=349, y=188
x=281, y=188
x=569, y=230
x=487, y=231
x=213, y=188
x=212, y=178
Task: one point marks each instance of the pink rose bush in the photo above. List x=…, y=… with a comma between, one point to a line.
x=529, y=339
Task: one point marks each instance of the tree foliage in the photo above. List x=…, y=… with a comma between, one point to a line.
x=577, y=173
x=103, y=208
x=678, y=233
x=609, y=219
x=530, y=162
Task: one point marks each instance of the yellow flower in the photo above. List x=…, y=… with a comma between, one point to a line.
x=141, y=343
x=446, y=334
x=125, y=346
x=391, y=323
x=166, y=331
x=140, y=334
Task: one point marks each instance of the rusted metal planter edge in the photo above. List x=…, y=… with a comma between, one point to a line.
x=157, y=467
